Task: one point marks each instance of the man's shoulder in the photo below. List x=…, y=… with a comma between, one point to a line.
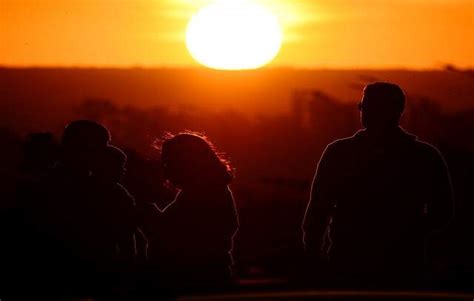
x=425, y=146
x=342, y=144
x=428, y=150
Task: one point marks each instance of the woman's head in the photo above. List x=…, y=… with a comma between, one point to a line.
x=190, y=159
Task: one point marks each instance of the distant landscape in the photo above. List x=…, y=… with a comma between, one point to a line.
x=265, y=91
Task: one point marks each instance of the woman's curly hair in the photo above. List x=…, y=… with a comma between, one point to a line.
x=190, y=157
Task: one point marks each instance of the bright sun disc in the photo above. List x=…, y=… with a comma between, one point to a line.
x=233, y=35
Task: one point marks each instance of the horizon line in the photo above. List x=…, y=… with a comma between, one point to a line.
x=443, y=67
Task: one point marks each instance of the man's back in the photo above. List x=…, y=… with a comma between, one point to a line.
x=376, y=195
x=381, y=197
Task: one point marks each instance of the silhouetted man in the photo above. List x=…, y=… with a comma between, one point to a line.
x=376, y=195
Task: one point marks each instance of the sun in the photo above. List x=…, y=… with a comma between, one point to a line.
x=233, y=35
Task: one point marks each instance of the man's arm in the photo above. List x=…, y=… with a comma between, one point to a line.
x=440, y=204
x=320, y=204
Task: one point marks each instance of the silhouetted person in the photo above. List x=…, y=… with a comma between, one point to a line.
x=113, y=219
x=193, y=243
x=113, y=206
x=108, y=171
x=376, y=195
x=58, y=216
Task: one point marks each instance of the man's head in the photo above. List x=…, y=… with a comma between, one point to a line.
x=382, y=105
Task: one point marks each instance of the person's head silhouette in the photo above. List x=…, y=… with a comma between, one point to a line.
x=190, y=160
x=382, y=106
x=85, y=134
x=81, y=141
x=110, y=164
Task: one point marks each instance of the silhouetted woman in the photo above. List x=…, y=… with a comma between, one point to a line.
x=195, y=232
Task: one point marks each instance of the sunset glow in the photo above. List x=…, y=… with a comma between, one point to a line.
x=415, y=34
x=233, y=35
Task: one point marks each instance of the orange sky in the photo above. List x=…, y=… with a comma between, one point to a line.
x=317, y=33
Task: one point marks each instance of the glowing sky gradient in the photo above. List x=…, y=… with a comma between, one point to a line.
x=317, y=33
